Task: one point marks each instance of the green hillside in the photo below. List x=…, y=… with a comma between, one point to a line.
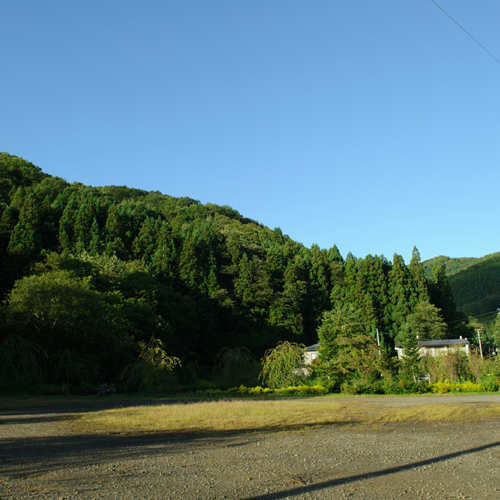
x=90, y=275
x=475, y=282
x=477, y=289
x=453, y=266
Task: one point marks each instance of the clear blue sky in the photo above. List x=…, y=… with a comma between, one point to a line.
x=374, y=126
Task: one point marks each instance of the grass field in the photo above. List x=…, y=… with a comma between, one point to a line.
x=285, y=415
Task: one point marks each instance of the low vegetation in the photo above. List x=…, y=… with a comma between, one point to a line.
x=285, y=415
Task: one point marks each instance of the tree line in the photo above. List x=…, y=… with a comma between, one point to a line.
x=89, y=276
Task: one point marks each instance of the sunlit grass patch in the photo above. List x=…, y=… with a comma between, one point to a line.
x=220, y=416
x=440, y=412
x=285, y=415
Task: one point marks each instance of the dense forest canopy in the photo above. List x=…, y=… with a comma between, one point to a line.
x=475, y=283
x=453, y=265
x=88, y=275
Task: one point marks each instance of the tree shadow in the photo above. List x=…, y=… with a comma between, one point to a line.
x=369, y=475
x=19, y=455
x=85, y=407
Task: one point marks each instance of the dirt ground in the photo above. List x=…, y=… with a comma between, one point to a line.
x=41, y=459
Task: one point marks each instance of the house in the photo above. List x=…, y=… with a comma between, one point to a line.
x=311, y=353
x=438, y=347
x=427, y=347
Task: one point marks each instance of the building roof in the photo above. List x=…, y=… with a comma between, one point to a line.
x=312, y=348
x=438, y=343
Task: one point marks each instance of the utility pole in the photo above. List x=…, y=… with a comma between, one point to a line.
x=378, y=343
x=480, y=345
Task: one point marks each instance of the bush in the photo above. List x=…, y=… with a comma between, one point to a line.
x=489, y=383
x=302, y=389
x=85, y=388
x=153, y=368
x=20, y=367
x=361, y=386
x=403, y=386
x=235, y=367
x=106, y=390
x=262, y=391
x=444, y=387
x=48, y=389
x=283, y=365
x=257, y=391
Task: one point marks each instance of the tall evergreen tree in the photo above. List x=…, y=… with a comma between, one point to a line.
x=420, y=286
x=441, y=294
x=399, y=281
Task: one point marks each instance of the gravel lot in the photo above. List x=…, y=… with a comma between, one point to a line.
x=40, y=459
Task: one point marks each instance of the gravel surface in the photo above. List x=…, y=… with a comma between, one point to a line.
x=40, y=459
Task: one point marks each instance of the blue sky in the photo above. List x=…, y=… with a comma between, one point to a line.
x=370, y=125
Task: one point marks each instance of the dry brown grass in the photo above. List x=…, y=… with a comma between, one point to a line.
x=284, y=415
x=443, y=412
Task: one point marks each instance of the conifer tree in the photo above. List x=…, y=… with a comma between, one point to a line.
x=26, y=238
x=426, y=322
x=67, y=238
x=441, y=294
x=420, y=285
x=411, y=352
x=188, y=262
x=399, y=282
x=165, y=256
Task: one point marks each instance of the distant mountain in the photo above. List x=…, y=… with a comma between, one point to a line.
x=475, y=283
x=453, y=266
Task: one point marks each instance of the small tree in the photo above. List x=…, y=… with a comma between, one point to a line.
x=496, y=331
x=236, y=367
x=426, y=322
x=69, y=368
x=409, y=341
x=340, y=323
x=347, y=351
x=282, y=366
x=153, y=367
x=19, y=363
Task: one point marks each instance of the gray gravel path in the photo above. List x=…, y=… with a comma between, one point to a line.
x=40, y=460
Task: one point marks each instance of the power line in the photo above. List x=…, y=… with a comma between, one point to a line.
x=465, y=31
x=474, y=317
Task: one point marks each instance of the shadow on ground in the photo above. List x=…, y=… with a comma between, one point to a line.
x=358, y=477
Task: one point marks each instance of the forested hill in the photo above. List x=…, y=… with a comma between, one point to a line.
x=90, y=272
x=475, y=283
x=477, y=288
x=453, y=265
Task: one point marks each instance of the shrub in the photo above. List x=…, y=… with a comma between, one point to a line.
x=362, y=386
x=302, y=389
x=48, y=389
x=235, y=367
x=444, y=387
x=283, y=365
x=106, y=390
x=470, y=387
x=204, y=385
x=20, y=368
x=83, y=388
x=257, y=391
x=489, y=383
x=262, y=391
x=403, y=386
x=152, y=369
